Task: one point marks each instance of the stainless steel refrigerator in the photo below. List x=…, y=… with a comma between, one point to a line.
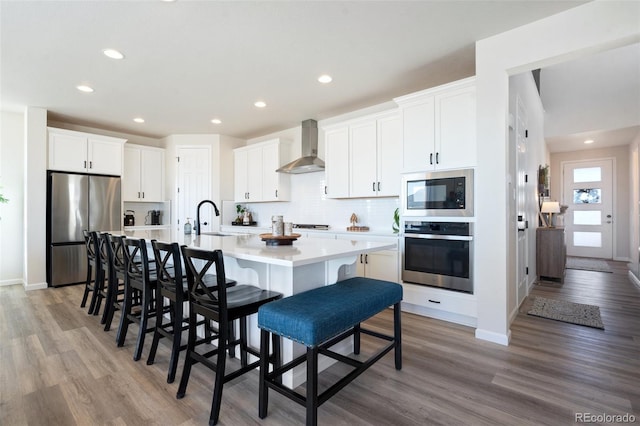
x=76, y=202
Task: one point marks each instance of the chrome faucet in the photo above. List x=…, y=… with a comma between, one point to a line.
x=215, y=208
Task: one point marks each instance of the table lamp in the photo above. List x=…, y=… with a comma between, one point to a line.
x=550, y=207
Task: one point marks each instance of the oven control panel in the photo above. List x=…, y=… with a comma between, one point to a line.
x=438, y=228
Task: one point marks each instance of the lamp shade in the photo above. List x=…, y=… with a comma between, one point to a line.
x=550, y=207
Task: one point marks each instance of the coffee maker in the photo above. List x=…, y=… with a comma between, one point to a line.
x=153, y=216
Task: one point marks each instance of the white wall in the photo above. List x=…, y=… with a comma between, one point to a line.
x=12, y=150
x=634, y=208
x=589, y=28
x=35, y=198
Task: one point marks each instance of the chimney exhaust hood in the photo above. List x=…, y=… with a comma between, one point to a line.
x=309, y=162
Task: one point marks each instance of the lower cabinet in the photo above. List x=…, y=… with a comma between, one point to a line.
x=551, y=254
x=381, y=265
x=442, y=304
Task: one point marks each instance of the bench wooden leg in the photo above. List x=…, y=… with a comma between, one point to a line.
x=397, y=336
x=312, y=386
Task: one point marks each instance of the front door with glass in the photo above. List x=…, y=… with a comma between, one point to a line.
x=588, y=191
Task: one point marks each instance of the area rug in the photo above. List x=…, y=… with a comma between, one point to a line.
x=588, y=264
x=574, y=313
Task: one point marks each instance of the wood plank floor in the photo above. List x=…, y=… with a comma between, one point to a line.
x=58, y=367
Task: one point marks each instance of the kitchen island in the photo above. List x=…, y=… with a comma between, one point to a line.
x=288, y=269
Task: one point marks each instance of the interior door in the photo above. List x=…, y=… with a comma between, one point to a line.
x=521, y=209
x=588, y=191
x=194, y=186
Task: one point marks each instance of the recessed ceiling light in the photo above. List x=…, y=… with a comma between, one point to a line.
x=588, y=141
x=325, y=78
x=138, y=120
x=84, y=88
x=112, y=53
x=260, y=104
x=216, y=121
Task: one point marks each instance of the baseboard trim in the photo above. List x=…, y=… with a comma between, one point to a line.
x=35, y=286
x=491, y=336
x=10, y=282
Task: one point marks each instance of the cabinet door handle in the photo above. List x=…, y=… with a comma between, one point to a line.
x=434, y=301
x=361, y=258
x=378, y=186
x=85, y=164
x=431, y=158
x=325, y=190
x=142, y=194
x=437, y=158
x=366, y=259
x=276, y=193
x=138, y=194
x=373, y=187
x=91, y=164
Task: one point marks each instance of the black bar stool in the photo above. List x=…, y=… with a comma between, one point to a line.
x=138, y=279
x=93, y=262
x=111, y=249
x=172, y=285
x=223, y=305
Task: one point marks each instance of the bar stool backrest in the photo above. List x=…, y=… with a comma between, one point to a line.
x=90, y=242
x=197, y=263
x=168, y=266
x=119, y=260
x=137, y=260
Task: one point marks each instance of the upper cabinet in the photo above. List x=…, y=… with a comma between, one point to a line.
x=143, y=178
x=439, y=127
x=256, y=179
x=73, y=151
x=363, y=157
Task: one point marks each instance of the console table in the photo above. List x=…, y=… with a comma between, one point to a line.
x=551, y=254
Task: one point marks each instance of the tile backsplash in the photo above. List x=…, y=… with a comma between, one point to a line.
x=310, y=205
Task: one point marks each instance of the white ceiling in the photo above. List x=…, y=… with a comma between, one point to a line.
x=187, y=62
x=596, y=97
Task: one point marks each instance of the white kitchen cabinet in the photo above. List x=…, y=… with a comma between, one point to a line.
x=447, y=305
x=381, y=265
x=337, y=162
x=363, y=157
x=256, y=179
x=439, y=127
x=143, y=177
x=73, y=151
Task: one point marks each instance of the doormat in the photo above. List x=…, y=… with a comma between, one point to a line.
x=588, y=264
x=574, y=313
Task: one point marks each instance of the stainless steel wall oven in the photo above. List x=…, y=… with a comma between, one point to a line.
x=438, y=254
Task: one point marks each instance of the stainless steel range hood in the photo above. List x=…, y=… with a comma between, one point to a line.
x=309, y=162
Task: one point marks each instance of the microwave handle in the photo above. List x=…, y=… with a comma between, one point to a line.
x=440, y=237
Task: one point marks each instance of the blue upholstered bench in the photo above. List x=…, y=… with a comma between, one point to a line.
x=318, y=319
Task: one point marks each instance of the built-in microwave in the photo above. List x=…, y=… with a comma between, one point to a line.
x=438, y=193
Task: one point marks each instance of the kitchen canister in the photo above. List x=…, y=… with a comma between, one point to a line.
x=277, y=226
x=288, y=228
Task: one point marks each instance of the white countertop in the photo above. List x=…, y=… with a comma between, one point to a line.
x=303, y=251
